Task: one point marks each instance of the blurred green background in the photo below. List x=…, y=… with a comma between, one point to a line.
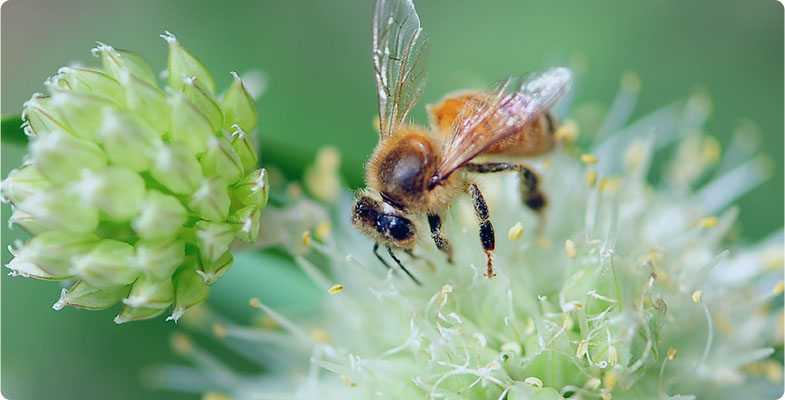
x=321, y=91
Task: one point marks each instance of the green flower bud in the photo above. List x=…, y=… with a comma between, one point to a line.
x=107, y=264
x=221, y=160
x=246, y=220
x=204, y=100
x=158, y=258
x=128, y=314
x=189, y=125
x=88, y=81
x=116, y=191
x=82, y=295
x=62, y=210
x=238, y=107
x=211, y=200
x=245, y=148
x=183, y=64
x=212, y=271
x=189, y=290
x=62, y=157
x=40, y=117
x=162, y=215
x=252, y=189
x=51, y=252
x=151, y=293
x=22, y=183
x=81, y=113
x=127, y=140
x=176, y=168
x=117, y=62
x=214, y=239
x=146, y=101
x=28, y=222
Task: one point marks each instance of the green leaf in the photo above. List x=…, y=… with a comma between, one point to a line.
x=11, y=130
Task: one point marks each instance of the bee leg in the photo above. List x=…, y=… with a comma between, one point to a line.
x=435, y=222
x=389, y=250
x=376, y=253
x=530, y=193
x=487, y=237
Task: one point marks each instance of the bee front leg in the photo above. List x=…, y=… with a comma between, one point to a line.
x=435, y=222
x=379, y=256
x=487, y=236
x=389, y=250
x=530, y=193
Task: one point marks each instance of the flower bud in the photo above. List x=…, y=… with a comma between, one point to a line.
x=51, y=252
x=62, y=157
x=88, y=81
x=128, y=314
x=28, y=222
x=22, y=183
x=176, y=168
x=40, y=117
x=214, y=239
x=189, y=290
x=81, y=113
x=149, y=292
x=107, y=264
x=238, y=107
x=189, y=125
x=252, y=189
x=211, y=200
x=116, y=191
x=245, y=148
x=127, y=140
x=83, y=295
x=212, y=271
x=146, y=101
x=221, y=160
x=61, y=210
x=183, y=64
x=117, y=62
x=158, y=258
x=246, y=220
x=204, y=100
x=162, y=215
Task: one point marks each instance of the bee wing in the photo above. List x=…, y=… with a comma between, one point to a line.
x=498, y=112
x=400, y=53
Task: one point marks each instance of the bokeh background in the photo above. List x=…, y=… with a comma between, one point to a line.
x=321, y=91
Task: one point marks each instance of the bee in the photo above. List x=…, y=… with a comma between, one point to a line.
x=417, y=172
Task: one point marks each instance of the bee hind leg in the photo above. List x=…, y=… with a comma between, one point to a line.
x=530, y=193
x=389, y=251
x=487, y=236
x=435, y=223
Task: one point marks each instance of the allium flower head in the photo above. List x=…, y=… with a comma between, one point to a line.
x=626, y=289
x=132, y=192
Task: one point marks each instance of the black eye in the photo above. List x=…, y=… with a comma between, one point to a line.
x=398, y=227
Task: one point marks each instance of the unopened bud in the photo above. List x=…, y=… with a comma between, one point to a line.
x=245, y=148
x=189, y=290
x=107, y=264
x=183, y=64
x=50, y=252
x=22, y=183
x=116, y=191
x=61, y=210
x=238, y=107
x=158, y=258
x=176, y=168
x=162, y=215
x=214, y=239
x=89, y=81
x=40, y=117
x=117, y=62
x=189, y=125
x=127, y=140
x=204, y=100
x=252, y=189
x=147, y=101
x=81, y=113
x=221, y=160
x=62, y=157
x=129, y=314
x=211, y=200
x=149, y=292
x=246, y=220
x=211, y=271
x=28, y=222
x=83, y=295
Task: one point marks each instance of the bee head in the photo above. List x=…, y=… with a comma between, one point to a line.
x=384, y=224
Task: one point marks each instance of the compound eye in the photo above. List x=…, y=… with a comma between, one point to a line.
x=399, y=228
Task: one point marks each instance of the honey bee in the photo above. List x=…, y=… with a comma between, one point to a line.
x=415, y=171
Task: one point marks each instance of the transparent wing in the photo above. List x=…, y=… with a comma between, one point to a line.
x=400, y=52
x=498, y=112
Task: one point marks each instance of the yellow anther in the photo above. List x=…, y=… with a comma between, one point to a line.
x=294, y=190
x=773, y=257
x=306, y=238
x=710, y=150
x=779, y=288
x=255, y=303
x=671, y=353
x=220, y=330
x=696, y=295
x=515, y=232
x=446, y=289
x=335, y=288
x=567, y=133
x=215, y=396
x=534, y=381
x=708, y=222
x=609, y=380
x=182, y=344
x=583, y=348
x=591, y=178
x=589, y=159
x=547, y=163
x=608, y=185
x=349, y=382
x=630, y=81
x=320, y=335
x=572, y=251
x=773, y=371
x=323, y=230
